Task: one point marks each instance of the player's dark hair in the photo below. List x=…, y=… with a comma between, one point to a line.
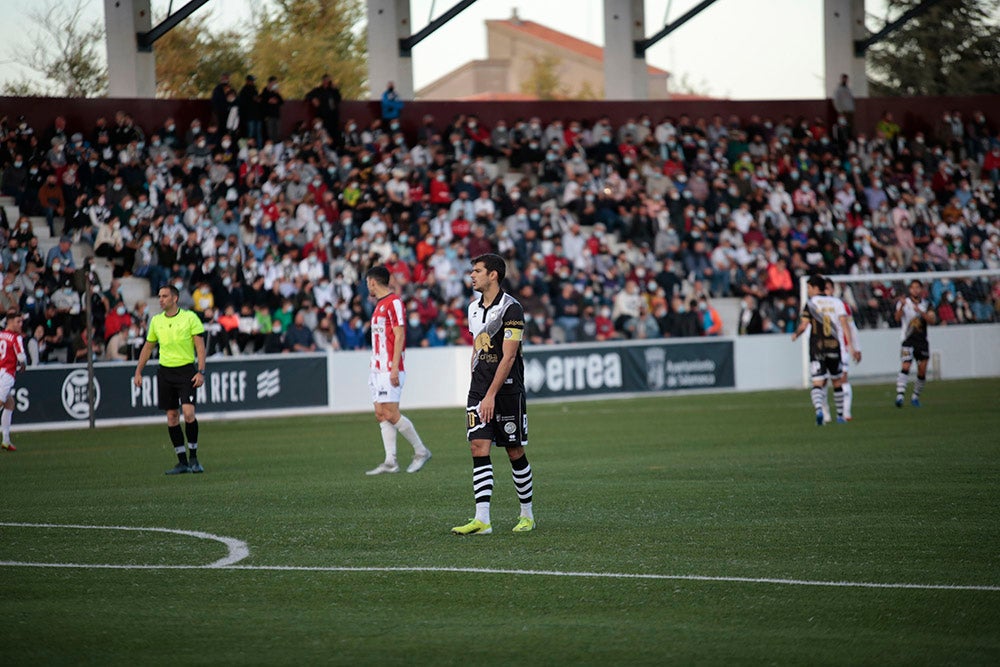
x=915, y=281
x=817, y=281
x=13, y=313
x=379, y=274
x=173, y=290
x=492, y=262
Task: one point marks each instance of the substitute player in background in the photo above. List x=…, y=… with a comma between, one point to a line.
x=496, y=411
x=827, y=320
x=845, y=359
x=914, y=313
x=12, y=360
x=387, y=374
x=181, y=337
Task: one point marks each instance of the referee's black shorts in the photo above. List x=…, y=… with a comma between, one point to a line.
x=175, y=386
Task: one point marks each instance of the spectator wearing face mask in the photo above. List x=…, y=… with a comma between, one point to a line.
x=272, y=101
x=352, y=333
x=62, y=255
x=204, y=300
x=10, y=296
x=325, y=335
x=116, y=320
x=392, y=104
x=15, y=179
x=325, y=100
x=37, y=348
x=117, y=347
x=52, y=201
x=147, y=265
x=711, y=320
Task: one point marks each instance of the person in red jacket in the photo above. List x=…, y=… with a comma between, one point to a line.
x=991, y=164
x=779, y=279
x=116, y=320
x=440, y=189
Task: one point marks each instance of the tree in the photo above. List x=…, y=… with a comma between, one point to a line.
x=688, y=87
x=951, y=49
x=544, y=81
x=64, y=50
x=299, y=41
x=587, y=92
x=190, y=59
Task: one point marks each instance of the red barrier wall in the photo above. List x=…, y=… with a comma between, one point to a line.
x=920, y=113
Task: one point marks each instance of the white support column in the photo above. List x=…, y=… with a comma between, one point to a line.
x=388, y=22
x=843, y=23
x=131, y=73
x=625, y=76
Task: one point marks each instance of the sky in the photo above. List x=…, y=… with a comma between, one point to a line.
x=737, y=49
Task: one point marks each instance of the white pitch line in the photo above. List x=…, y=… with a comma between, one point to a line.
x=550, y=573
x=622, y=575
x=238, y=551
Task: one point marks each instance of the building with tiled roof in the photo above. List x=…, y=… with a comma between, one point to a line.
x=513, y=47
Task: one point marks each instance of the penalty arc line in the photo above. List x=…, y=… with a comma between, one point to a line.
x=238, y=551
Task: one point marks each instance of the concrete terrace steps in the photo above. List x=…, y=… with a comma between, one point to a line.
x=40, y=227
x=12, y=213
x=136, y=289
x=104, y=271
x=729, y=310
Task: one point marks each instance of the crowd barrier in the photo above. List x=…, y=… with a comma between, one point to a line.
x=58, y=395
x=52, y=397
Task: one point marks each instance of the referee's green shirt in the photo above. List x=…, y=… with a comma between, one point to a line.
x=175, y=336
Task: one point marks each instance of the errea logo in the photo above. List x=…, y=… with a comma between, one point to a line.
x=574, y=373
x=269, y=383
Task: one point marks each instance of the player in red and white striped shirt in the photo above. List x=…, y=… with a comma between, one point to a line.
x=12, y=359
x=387, y=374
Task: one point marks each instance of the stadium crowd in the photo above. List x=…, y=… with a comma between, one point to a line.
x=610, y=232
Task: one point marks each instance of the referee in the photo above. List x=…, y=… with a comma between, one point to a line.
x=180, y=335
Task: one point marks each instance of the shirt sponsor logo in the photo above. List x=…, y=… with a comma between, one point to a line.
x=483, y=342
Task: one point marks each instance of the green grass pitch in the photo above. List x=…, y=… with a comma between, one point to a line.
x=740, y=487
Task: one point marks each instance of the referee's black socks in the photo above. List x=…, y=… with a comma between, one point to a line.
x=191, y=430
x=177, y=438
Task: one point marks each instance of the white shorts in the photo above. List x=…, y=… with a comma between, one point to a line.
x=6, y=385
x=381, y=388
